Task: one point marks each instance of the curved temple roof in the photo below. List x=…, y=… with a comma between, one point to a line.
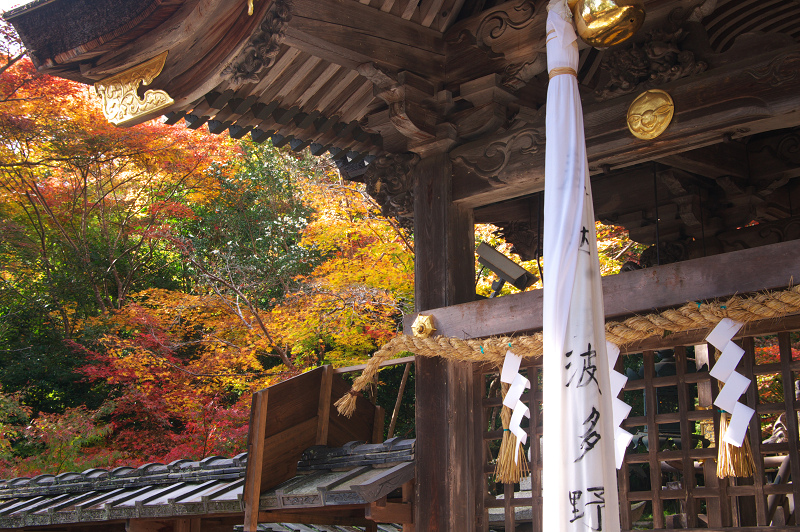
x=363, y=79
x=356, y=78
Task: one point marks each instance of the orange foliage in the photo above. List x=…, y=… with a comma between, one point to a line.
x=352, y=303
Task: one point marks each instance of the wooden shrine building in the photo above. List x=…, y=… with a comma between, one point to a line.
x=438, y=106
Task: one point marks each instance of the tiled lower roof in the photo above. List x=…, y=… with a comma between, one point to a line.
x=289, y=527
x=355, y=474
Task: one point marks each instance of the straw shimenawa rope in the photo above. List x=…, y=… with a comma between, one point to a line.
x=492, y=350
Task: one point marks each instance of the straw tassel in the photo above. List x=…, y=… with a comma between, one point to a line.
x=346, y=405
x=508, y=470
x=733, y=461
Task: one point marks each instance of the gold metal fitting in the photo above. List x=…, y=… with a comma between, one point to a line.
x=121, y=103
x=604, y=23
x=423, y=326
x=650, y=114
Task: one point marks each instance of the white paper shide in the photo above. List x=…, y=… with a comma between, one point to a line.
x=736, y=384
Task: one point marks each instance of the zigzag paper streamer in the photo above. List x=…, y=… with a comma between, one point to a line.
x=510, y=375
x=621, y=410
x=736, y=384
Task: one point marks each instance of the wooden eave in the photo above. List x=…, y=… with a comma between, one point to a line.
x=367, y=78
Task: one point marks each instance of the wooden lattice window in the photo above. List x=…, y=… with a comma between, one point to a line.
x=671, y=393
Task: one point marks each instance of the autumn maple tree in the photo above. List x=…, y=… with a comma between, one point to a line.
x=352, y=302
x=152, y=278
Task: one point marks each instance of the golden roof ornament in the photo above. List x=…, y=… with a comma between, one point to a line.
x=423, y=326
x=120, y=100
x=650, y=114
x=604, y=23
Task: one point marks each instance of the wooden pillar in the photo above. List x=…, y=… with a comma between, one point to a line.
x=444, y=275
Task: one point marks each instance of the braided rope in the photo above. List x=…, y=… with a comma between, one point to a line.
x=492, y=350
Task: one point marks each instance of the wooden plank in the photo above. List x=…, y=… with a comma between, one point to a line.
x=144, y=525
x=385, y=482
x=324, y=409
x=409, y=8
x=624, y=482
x=651, y=405
x=359, y=427
x=378, y=422
x=189, y=524
x=790, y=402
x=289, y=402
x=323, y=516
x=534, y=400
x=255, y=449
x=431, y=12
x=684, y=406
x=408, y=497
x=751, y=399
x=389, y=512
x=350, y=34
x=387, y=363
x=282, y=451
x=509, y=516
x=666, y=286
x=481, y=451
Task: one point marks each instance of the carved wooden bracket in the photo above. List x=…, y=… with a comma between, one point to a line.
x=499, y=33
x=660, y=59
x=490, y=32
x=411, y=102
x=423, y=121
x=495, y=157
x=120, y=100
x=260, y=52
x=390, y=182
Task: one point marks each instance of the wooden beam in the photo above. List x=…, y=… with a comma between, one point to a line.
x=188, y=524
x=636, y=292
x=323, y=419
x=755, y=99
x=390, y=512
x=385, y=482
x=444, y=275
x=326, y=516
x=386, y=363
x=255, y=450
x=723, y=159
x=348, y=33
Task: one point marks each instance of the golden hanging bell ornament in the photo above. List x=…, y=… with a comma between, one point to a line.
x=604, y=23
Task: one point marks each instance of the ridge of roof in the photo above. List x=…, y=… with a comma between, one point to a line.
x=30, y=6
x=151, y=474
x=394, y=450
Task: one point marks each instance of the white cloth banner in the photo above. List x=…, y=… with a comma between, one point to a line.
x=579, y=471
